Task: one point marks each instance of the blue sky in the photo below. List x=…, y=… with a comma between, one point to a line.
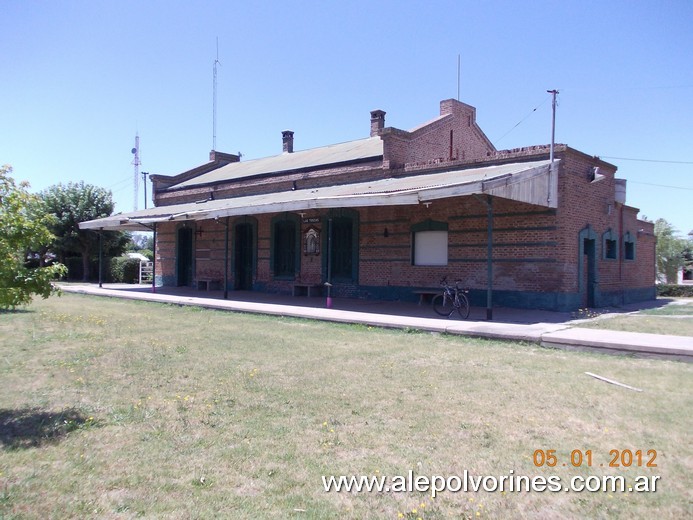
x=81, y=78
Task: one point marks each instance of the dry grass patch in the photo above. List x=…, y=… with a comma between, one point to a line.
x=199, y=413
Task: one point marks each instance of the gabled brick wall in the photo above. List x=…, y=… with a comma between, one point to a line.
x=453, y=137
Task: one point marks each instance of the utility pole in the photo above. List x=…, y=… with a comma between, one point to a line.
x=144, y=181
x=554, y=93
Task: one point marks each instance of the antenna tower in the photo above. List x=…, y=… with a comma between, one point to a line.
x=136, y=162
x=214, y=100
x=458, y=77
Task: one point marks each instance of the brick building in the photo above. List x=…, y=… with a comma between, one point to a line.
x=390, y=214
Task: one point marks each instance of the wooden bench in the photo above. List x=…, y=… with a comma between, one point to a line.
x=307, y=289
x=207, y=284
x=426, y=294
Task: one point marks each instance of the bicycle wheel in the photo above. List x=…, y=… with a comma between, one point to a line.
x=442, y=304
x=463, y=309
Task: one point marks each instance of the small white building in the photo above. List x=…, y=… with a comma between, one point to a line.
x=138, y=256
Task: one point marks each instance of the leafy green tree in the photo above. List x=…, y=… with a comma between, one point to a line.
x=140, y=240
x=71, y=204
x=688, y=259
x=141, y=243
x=670, y=250
x=23, y=229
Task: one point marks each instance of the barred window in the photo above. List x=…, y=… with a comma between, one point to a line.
x=610, y=245
x=628, y=246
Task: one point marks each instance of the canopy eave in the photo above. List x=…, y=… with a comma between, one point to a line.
x=533, y=183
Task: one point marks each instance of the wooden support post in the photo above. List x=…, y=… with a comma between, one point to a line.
x=328, y=284
x=226, y=259
x=154, y=258
x=100, y=256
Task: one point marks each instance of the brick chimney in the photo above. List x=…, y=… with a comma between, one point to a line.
x=377, y=122
x=288, y=141
x=221, y=157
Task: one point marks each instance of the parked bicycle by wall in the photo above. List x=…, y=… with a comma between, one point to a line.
x=453, y=297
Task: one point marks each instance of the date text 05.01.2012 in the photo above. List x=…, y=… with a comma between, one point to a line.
x=578, y=458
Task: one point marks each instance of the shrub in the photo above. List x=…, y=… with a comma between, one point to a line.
x=75, y=269
x=670, y=290
x=125, y=270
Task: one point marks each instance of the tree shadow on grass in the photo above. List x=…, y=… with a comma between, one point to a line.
x=21, y=310
x=34, y=427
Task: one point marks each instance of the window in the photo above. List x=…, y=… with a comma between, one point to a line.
x=431, y=248
x=430, y=243
x=610, y=245
x=628, y=246
x=284, y=247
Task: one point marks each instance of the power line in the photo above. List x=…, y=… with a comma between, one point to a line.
x=660, y=185
x=117, y=183
x=644, y=160
x=524, y=119
x=628, y=87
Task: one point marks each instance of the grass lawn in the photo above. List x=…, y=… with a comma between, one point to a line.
x=680, y=307
x=673, y=319
x=119, y=409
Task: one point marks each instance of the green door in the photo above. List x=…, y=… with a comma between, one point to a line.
x=243, y=257
x=589, y=272
x=184, y=257
x=342, y=249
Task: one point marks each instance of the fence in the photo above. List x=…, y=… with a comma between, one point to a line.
x=146, y=272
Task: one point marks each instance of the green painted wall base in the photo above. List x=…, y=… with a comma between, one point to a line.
x=561, y=302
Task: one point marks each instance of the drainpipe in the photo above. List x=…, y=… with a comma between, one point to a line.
x=621, y=254
x=489, y=259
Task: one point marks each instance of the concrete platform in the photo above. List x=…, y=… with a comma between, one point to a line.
x=549, y=329
x=619, y=342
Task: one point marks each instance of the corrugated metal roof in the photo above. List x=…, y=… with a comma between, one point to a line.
x=527, y=182
x=371, y=147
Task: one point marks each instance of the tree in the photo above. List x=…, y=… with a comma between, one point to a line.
x=141, y=240
x=688, y=259
x=141, y=243
x=670, y=250
x=74, y=203
x=23, y=228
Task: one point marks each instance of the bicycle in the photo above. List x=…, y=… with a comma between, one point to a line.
x=452, y=298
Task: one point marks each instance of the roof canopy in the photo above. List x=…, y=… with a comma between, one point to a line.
x=530, y=182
